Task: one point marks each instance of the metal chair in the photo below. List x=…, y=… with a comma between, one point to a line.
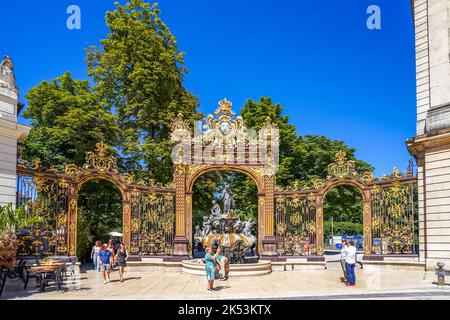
x=18, y=271
x=70, y=269
x=3, y=275
x=28, y=274
x=55, y=276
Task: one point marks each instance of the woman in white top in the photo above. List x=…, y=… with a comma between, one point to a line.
x=95, y=252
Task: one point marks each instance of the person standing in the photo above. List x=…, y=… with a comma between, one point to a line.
x=210, y=267
x=113, y=252
x=224, y=267
x=105, y=259
x=344, y=246
x=121, y=257
x=350, y=261
x=117, y=243
x=95, y=253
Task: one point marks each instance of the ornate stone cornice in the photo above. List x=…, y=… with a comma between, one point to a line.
x=15, y=131
x=417, y=145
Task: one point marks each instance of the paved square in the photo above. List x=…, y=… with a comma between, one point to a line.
x=312, y=284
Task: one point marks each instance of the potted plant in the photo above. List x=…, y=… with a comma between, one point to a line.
x=11, y=220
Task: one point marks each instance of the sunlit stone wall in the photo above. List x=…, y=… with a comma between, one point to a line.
x=431, y=146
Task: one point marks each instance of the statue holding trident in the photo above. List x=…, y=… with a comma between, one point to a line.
x=227, y=198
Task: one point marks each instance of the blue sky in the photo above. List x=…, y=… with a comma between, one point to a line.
x=333, y=75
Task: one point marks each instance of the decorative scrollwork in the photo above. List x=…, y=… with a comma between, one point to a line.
x=317, y=183
x=180, y=129
x=71, y=169
x=342, y=167
x=367, y=177
x=392, y=218
x=295, y=221
x=127, y=178
x=100, y=160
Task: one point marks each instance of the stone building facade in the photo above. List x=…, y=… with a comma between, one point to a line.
x=431, y=145
x=10, y=132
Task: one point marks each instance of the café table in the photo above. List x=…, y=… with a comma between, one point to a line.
x=42, y=271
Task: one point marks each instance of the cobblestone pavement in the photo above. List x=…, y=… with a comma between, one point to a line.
x=301, y=284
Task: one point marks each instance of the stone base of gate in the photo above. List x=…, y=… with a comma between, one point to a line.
x=386, y=262
x=289, y=263
x=196, y=267
x=152, y=264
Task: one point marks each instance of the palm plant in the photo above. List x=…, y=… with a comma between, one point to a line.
x=11, y=220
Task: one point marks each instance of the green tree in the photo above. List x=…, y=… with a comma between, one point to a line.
x=255, y=115
x=66, y=122
x=303, y=158
x=138, y=71
x=342, y=228
x=210, y=185
x=100, y=212
x=344, y=204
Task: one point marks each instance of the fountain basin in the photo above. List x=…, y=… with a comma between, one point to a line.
x=196, y=267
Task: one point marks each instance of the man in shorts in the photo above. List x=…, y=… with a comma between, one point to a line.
x=105, y=259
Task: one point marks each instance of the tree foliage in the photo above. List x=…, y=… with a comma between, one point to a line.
x=209, y=186
x=135, y=92
x=99, y=213
x=66, y=122
x=138, y=71
x=342, y=228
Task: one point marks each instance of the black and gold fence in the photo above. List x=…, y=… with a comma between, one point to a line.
x=393, y=212
x=152, y=223
x=295, y=225
x=48, y=199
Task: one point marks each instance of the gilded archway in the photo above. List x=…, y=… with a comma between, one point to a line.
x=225, y=144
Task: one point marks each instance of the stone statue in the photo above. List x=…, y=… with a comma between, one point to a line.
x=207, y=228
x=217, y=225
x=198, y=232
x=238, y=226
x=224, y=229
x=248, y=227
x=215, y=211
x=227, y=198
x=7, y=78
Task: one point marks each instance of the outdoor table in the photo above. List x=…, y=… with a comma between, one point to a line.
x=41, y=272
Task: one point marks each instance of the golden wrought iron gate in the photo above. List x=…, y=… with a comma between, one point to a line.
x=389, y=211
x=148, y=208
x=157, y=219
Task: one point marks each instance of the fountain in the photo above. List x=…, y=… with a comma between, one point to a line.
x=225, y=230
x=235, y=238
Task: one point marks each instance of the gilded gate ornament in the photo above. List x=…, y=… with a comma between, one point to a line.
x=342, y=167
x=296, y=209
x=393, y=216
x=100, y=160
x=71, y=169
x=295, y=225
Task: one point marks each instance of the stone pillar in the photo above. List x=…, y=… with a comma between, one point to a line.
x=421, y=205
x=180, y=243
x=10, y=132
x=319, y=225
x=431, y=146
x=126, y=223
x=72, y=226
x=269, y=241
x=188, y=218
x=367, y=222
x=261, y=224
